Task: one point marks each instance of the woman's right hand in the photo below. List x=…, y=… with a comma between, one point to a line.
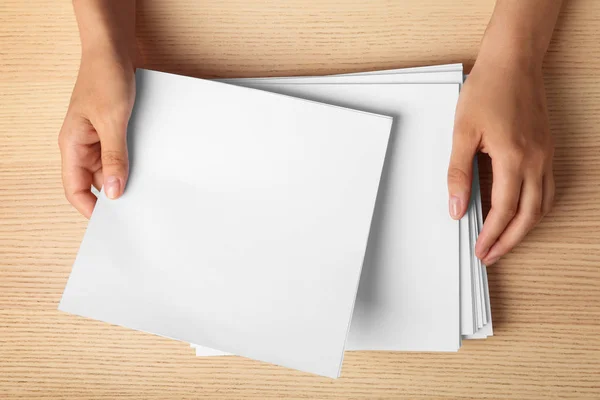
x=93, y=138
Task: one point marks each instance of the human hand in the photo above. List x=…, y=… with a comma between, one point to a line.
x=502, y=112
x=92, y=140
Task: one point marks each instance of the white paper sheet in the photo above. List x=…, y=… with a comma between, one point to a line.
x=471, y=284
x=408, y=297
x=452, y=73
x=436, y=69
x=471, y=269
x=441, y=77
x=243, y=226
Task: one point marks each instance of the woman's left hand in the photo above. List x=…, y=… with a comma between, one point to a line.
x=502, y=112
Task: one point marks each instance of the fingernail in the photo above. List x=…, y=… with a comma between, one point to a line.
x=112, y=187
x=455, y=206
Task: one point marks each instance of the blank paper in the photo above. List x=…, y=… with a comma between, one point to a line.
x=408, y=297
x=470, y=270
x=244, y=224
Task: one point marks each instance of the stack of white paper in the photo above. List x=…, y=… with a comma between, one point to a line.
x=246, y=217
x=414, y=267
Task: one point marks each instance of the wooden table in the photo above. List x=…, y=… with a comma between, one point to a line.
x=545, y=294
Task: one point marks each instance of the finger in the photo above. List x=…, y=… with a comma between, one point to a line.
x=77, y=183
x=115, y=164
x=460, y=171
x=506, y=188
x=528, y=215
x=76, y=176
x=548, y=191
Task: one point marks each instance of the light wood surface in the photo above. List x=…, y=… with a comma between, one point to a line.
x=545, y=294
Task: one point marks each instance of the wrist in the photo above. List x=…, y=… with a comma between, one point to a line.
x=107, y=50
x=509, y=59
x=510, y=47
x=519, y=33
x=107, y=29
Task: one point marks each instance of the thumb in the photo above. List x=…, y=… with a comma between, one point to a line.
x=115, y=162
x=460, y=172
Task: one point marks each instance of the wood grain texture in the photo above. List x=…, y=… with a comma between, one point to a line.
x=545, y=294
